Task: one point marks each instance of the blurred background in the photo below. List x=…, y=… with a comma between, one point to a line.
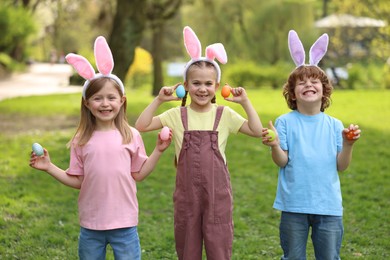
x=147, y=44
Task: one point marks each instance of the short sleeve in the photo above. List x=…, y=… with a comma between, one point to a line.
x=234, y=120
x=137, y=151
x=339, y=135
x=280, y=126
x=76, y=164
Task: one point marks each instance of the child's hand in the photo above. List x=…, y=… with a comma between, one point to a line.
x=351, y=134
x=267, y=138
x=40, y=162
x=167, y=93
x=162, y=145
x=239, y=95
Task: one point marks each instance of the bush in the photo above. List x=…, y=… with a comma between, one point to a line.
x=17, y=25
x=251, y=75
x=365, y=76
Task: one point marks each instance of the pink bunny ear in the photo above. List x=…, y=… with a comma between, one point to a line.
x=216, y=50
x=81, y=65
x=103, y=56
x=296, y=48
x=318, y=49
x=192, y=43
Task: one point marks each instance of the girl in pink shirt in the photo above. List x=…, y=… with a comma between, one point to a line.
x=107, y=157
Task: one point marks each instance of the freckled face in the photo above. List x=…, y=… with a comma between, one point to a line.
x=201, y=85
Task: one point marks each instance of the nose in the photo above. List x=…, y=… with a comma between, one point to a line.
x=105, y=102
x=202, y=87
x=307, y=83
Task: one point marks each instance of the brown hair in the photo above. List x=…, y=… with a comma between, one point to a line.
x=199, y=65
x=87, y=124
x=301, y=73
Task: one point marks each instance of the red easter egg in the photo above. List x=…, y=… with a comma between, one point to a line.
x=351, y=134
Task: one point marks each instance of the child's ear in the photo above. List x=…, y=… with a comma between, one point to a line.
x=217, y=85
x=123, y=99
x=185, y=84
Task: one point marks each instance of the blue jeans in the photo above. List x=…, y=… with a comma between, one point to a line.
x=326, y=235
x=124, y=242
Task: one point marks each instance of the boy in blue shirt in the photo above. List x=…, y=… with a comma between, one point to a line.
x=310, y=148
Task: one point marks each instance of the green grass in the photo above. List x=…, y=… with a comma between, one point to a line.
x=38, y=215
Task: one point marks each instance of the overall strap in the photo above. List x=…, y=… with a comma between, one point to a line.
x=218, y=116
x=184, y=118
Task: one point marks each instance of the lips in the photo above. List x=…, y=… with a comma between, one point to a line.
x=309, y=92
x=105, y=111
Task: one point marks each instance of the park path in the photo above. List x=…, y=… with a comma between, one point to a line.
x=39, y=79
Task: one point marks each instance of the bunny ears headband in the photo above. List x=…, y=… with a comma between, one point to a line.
x=104, y=63
x=194, y=49
x=317, y=50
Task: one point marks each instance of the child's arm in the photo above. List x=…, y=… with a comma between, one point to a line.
x=279, y=156
x=147, y=121
x=152, y=160
x=43, y=163
x=345, y=156
x=252, y=126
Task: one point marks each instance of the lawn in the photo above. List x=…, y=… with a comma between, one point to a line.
x=38, y=215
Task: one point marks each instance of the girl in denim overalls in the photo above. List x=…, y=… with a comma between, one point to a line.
x=203, y=202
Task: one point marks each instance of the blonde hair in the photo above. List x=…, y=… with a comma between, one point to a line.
x=301, y=73
x=87, y=124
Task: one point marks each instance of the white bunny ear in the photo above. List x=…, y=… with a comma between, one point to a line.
x=81, y=65
x=318, y=49
x=192, y=43
x=296, y=48
x=103, y=56
x=216, y=50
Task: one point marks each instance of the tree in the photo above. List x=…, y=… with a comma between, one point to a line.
x=126, y=33
x=158, y=13
x=17, y=25
x=374, y=40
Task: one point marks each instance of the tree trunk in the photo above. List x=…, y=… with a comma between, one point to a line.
x=157, y=50
x=126, y=34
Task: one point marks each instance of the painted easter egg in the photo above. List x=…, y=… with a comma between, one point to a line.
x=164, y=134
x=37, y=149
x=180, y=91
x=225, y=91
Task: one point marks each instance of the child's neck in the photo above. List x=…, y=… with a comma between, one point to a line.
x=100, y=126
x=201, y=108
x=309, y=109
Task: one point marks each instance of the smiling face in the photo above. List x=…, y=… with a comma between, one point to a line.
x=201, y=85
x=105, y=105
x=308, y=88
x=308, y=92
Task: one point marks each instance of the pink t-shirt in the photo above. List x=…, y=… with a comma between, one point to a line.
x=107, y=198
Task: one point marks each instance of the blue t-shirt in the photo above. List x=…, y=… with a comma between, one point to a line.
x=309, y=183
